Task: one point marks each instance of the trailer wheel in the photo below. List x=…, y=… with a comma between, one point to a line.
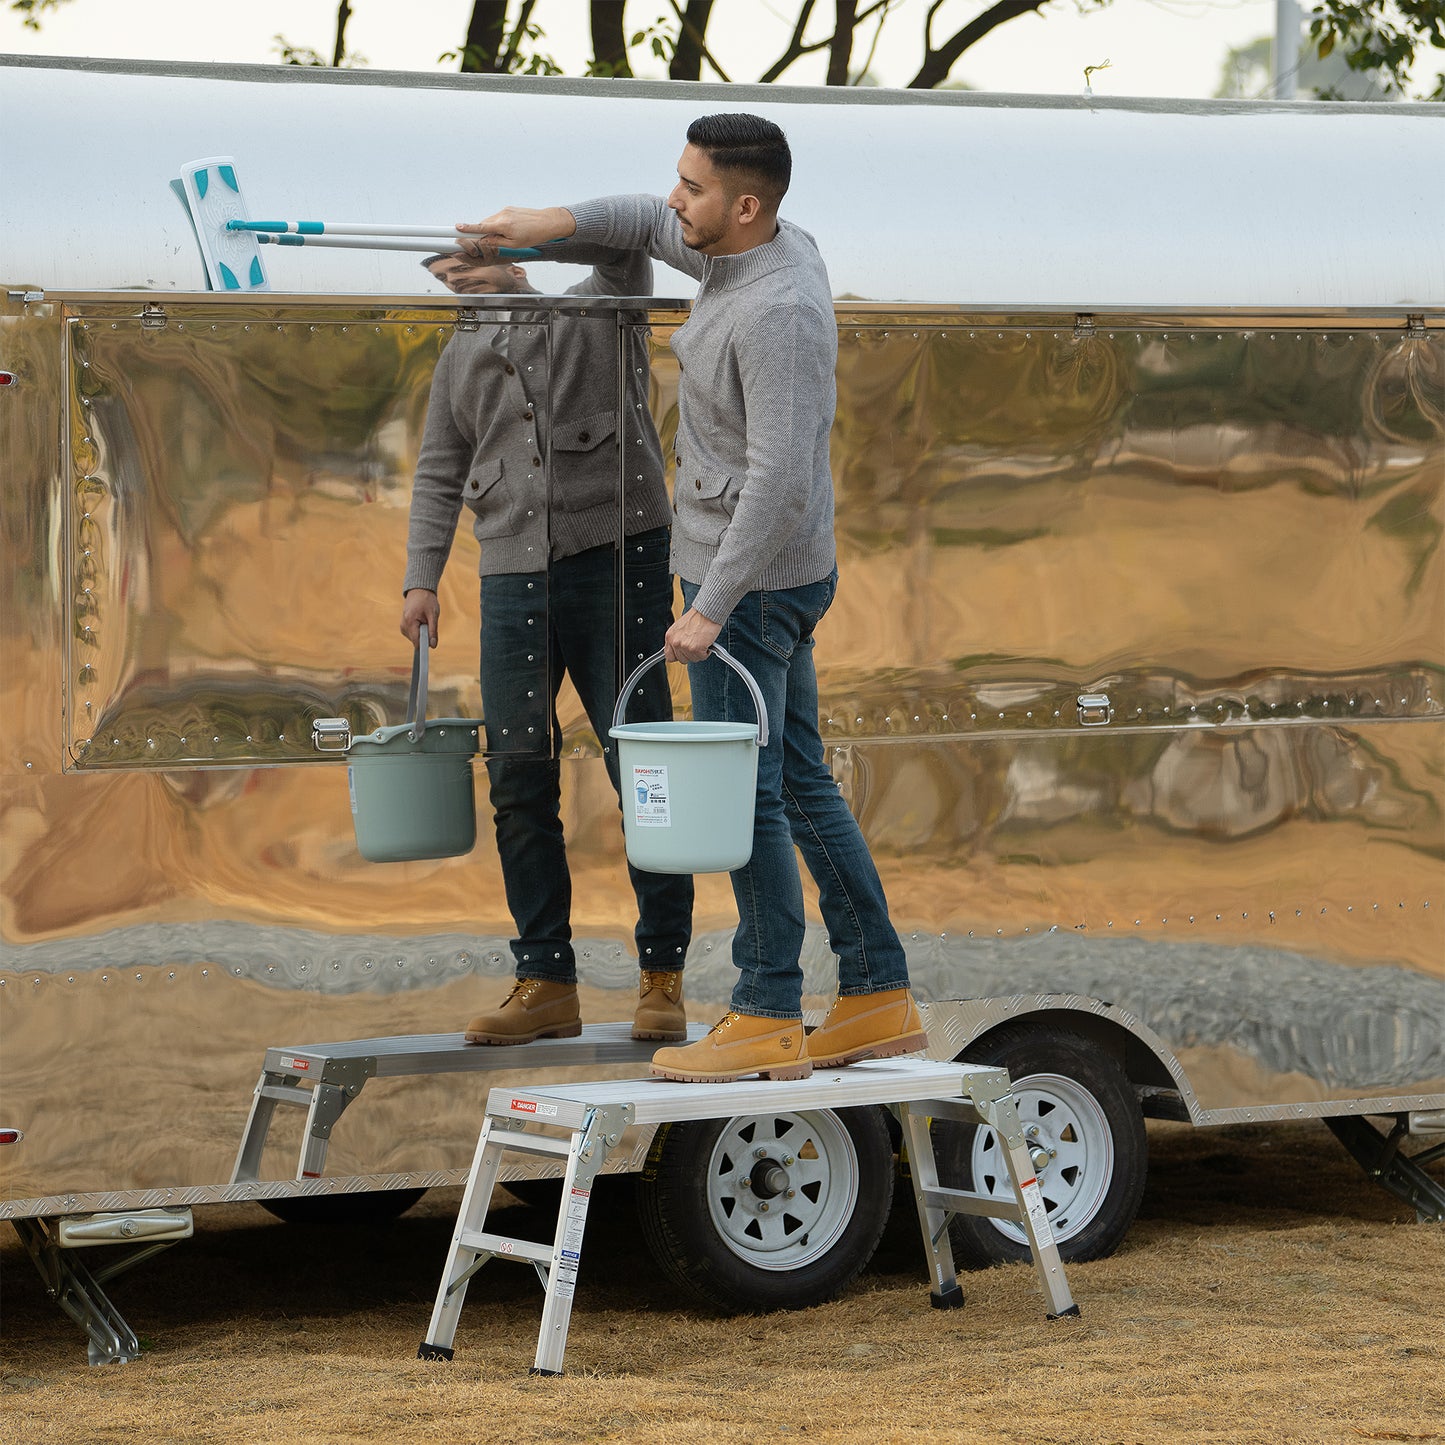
x=1085, y=1132
x=374, y=1206
x=767, y=1211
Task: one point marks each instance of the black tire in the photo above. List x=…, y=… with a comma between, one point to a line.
x=376, y=1206
x=717, y=1216
x=1078, y=1097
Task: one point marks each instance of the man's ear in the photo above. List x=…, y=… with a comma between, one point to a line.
x=749, y=208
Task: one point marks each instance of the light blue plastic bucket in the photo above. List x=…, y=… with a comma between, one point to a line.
x=688, y=787
x=411, y=784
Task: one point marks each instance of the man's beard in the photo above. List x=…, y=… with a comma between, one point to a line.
x=703, y=239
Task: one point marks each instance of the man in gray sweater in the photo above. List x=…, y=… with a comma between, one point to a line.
x=753, y=542
x=549, y=559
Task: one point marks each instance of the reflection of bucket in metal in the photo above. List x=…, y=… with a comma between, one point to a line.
x=411, y=785
x=690, y=785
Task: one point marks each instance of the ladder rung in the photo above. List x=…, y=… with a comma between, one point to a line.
x=962, y=1201
x=285, y=1094
x=501, y=1247
x=515, y=1143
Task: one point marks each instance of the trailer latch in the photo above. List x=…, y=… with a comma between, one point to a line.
x=468, y=318
x=1415, y=324
x=331, y=734
x=152, y=317
x=1083, y=325
x=1095, y=709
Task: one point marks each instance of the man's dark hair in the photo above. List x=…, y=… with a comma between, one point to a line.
x=430, y=261
x=748, y=149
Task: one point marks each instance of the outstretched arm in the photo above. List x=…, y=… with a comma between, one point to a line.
x=572, y=233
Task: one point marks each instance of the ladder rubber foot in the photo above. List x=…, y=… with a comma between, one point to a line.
x=952, y=1299
x=434, y=1352
x=1072, y=1313
x=538, y=1370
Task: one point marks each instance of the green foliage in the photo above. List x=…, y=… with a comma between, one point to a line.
x=1383, y=37
x=305, y=55
x=30, y=11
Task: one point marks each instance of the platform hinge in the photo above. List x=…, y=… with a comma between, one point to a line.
x=1415, y=325
x=1083, y=325
x=152, y=317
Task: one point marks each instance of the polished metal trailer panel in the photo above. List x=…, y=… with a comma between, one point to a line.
x=1134, y=679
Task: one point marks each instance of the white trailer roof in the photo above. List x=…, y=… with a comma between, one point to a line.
x=963, y=198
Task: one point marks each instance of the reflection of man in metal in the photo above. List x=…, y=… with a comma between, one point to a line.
x=753, y=542
x=549, y=562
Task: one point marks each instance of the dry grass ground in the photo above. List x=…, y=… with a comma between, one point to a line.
x=1268, y=1293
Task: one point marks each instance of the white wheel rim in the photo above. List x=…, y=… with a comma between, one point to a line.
x=749, y=1200
x=1074, y=1178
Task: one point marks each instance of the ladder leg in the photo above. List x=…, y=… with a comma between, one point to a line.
x=461, y=1259
x=1003, y=1115
x=590, y=1147
x=946, y=1293
x=253, y=1140
x=328, y=1101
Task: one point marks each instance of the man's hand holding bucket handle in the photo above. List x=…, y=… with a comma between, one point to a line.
x=420, y=605
x=516, y=226
x=689, y=638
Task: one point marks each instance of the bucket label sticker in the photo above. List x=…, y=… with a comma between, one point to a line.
x=351, y=785
x=651, y=807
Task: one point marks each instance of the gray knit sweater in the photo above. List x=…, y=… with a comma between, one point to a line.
x=490, y=415
x=754, y=492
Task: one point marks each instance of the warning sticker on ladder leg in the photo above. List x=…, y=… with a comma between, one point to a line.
x=1038, y=1214
x=651, y=801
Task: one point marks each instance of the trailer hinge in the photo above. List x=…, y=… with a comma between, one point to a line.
x=1415, y=324
x=468, y=318
x=152, y=317
x=25, y=297
x=1083, y=325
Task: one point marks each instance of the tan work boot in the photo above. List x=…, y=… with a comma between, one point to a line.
x=535, y=1009
x=660, y=1014
x=868, y=1026
x=738, y=1045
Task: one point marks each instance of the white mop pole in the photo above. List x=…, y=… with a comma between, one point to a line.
x=343, y=228
x=447, y=247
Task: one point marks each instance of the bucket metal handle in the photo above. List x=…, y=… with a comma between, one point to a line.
x=416, y=701
x=723, y=655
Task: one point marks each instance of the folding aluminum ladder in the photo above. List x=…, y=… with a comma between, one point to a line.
x=593, y=1116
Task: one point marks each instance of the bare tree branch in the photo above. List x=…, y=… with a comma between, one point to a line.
x=840, y=49
x=796, y=49
x=486, y=30
x=343, y=14
x=937, y=62
x=691, y=47
x=795, y=46
x=519, y=32
x=609, y=40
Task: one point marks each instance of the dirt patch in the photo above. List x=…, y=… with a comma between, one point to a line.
x=1268, y=1293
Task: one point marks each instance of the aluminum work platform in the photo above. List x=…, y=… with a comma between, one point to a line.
x=324, y=1079
x=591, y=1117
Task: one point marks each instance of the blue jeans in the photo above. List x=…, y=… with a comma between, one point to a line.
x=535, y=627
x=798, y=803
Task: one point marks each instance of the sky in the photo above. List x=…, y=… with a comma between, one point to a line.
x=1154, y=47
